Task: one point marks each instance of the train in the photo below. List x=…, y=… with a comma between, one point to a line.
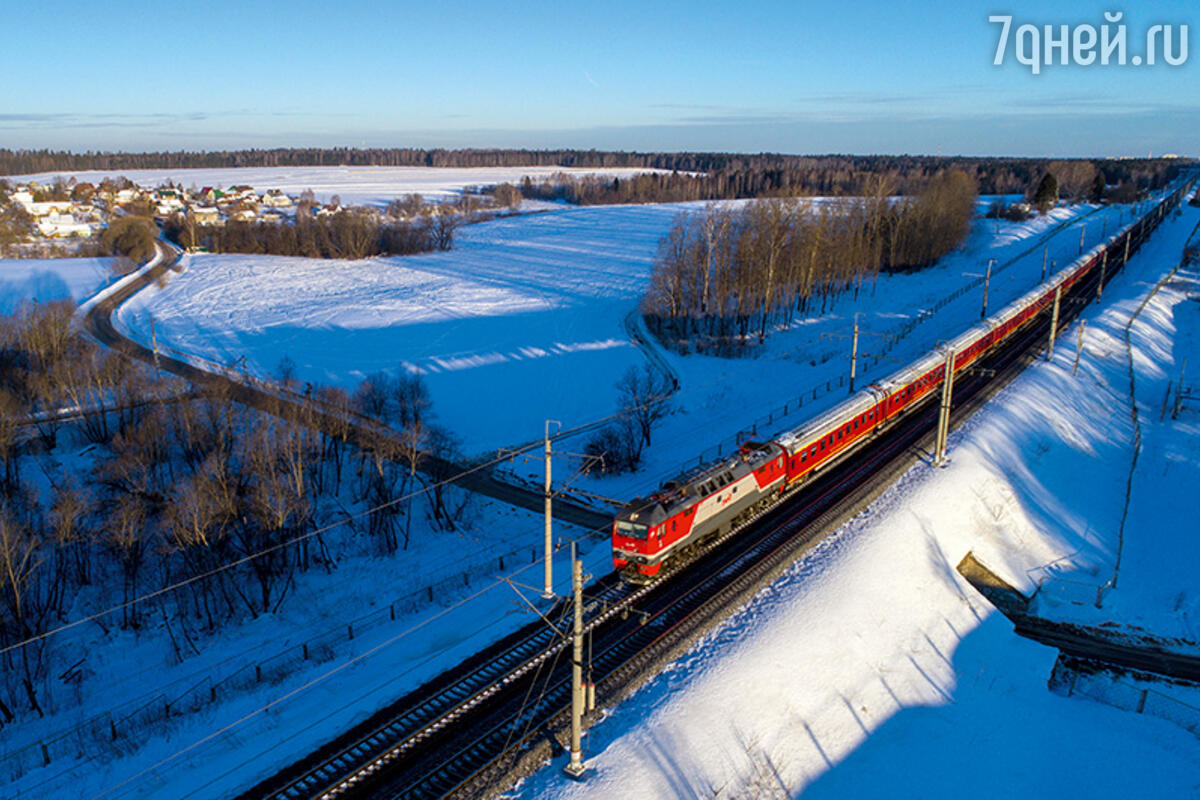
x=651, y=532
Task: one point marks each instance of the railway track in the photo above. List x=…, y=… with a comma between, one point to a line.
x=495, y=710
x=465, y=732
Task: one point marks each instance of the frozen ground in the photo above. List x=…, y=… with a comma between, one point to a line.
x=43, y=280
x=523, y=322
x=375, y=186
x=872, y=669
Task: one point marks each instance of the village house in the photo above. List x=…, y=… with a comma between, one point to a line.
x=276, y=199
x=61, y=226
x=204, y=215
x=242, y=192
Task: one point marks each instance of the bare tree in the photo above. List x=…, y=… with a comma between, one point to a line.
x=644, y=394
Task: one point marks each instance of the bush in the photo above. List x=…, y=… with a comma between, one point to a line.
x=132, y=237
x=619, y=444
x=1013, y=212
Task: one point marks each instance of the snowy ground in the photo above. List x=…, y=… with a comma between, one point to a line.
x=254, y=728
x=375, y=186
x=43, y=280
x=573, y=275
x=523, y=322
x=872, y=669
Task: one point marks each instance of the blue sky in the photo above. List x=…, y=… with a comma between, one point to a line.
x=800, y=77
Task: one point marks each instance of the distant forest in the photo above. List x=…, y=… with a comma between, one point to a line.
x=726, y=175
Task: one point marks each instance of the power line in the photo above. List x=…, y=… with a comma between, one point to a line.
x=246, y=559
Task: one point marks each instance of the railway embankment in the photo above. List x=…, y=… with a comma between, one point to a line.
x=1134, y=648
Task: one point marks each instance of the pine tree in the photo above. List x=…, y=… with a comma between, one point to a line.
x=1099, y=184
x=1046, y=194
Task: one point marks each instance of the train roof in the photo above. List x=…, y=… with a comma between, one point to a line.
x=821, y=424
x=685, y=489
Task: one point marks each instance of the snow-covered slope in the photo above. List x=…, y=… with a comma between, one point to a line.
x=43, y=280
x=871, y=669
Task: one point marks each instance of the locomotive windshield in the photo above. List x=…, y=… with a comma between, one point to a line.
x=631, y=529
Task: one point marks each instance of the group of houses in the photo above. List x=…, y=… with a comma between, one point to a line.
x=81, y=210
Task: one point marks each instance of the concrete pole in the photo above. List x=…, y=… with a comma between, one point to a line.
x=1054, y=322
x=1079, y=348
x=1128, y=236
x=1045, y=255
x=1082, y=233
x=943, y=428
x=548, y=585
x=1103, y=270
x=575, y=767
x=854, y=353
x=154, y=343
x=987, y=283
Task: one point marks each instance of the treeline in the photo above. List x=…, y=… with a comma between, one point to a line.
x=348, y=233
x=728, y=175
x=724, y=277
x=831, y=178
x=173, y=483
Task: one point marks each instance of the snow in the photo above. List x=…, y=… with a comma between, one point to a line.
x=375, y=186
x=528, y=324
x=872, y=669
x=44, y=280
x=524, y=321
x=520, y=322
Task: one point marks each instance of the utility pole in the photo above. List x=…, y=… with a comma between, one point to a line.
x=1045, y=255
x=1128, y=236
x=987, y=282
x=1079, y=348
x=1103, y=269
x=575, y=767
x=943, y=428
x=1054, y=322
x=154, y=344
x=1082, y=233
x=854, y=352
x=548, y=584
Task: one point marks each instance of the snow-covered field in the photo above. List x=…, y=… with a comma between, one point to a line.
x=523, y=322
x=872, y=669
x=43, y=280
x=375, y=186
